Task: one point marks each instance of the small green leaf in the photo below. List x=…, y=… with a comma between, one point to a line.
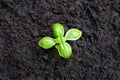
x=60, y=39
x=64, y=50
x=46, y=42
x=58, y=30
x=73, y=34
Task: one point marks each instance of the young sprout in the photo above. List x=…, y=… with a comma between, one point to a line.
x=64, y=49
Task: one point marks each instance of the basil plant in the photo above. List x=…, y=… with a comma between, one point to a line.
x=64, y=49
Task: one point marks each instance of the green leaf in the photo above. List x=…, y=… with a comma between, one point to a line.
x=64, y=50
x=58, y=30
x=60, y=39
x=73, y=34
x=46, y=42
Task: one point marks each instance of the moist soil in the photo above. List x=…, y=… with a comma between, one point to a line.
x=95, y=56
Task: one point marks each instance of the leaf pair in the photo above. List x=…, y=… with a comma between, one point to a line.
x=64, y=49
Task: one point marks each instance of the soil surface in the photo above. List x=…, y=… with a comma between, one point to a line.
x=96, y=55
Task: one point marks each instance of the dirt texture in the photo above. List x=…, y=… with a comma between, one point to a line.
x=96, y=55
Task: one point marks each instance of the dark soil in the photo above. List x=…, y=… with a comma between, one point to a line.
x=96, y=55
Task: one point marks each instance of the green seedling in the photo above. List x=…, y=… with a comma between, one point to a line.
x=64, y=49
